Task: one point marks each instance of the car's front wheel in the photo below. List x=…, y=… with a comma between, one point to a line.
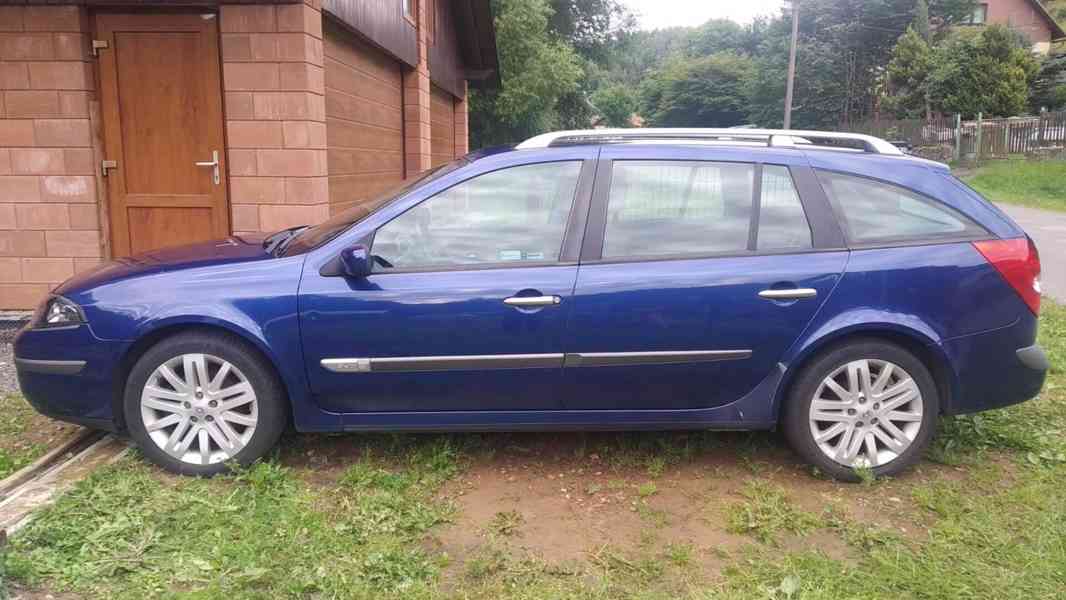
x=865, y=404
x=196, y=401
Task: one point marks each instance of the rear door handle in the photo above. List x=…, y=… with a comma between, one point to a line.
x=526, y=301
x=789, y=294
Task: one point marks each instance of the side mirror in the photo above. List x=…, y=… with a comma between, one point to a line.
x=355, y=262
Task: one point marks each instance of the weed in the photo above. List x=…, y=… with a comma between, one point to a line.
x=506, y=523
x=768, y=512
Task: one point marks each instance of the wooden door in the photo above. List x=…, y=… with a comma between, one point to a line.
x=161, y=99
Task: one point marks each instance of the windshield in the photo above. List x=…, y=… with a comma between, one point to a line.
x=313, y=237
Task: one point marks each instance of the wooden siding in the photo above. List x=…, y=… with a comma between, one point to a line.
x=445, y=60
x=380, y=21
x=442, y=123
x=364, y=118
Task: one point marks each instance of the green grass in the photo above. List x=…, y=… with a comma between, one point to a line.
x=16, y=449
x=125, y=532
x=767, y=513
x=993, y=528
x=1039, y=184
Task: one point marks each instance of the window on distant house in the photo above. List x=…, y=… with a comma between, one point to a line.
x=979, y=15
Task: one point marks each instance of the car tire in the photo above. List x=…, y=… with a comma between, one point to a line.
x=233, y=396
x=900, y=433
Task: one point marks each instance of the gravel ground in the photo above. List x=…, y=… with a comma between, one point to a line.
x=8, y=382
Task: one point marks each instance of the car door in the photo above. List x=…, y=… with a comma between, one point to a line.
x=700, y=268
x=466, y=306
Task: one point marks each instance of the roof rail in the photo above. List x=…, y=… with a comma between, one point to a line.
x=782, y=138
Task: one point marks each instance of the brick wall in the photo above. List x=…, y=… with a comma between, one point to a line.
x=49, y=216
x=462, y=131
x=272, y=77
x=417, y=140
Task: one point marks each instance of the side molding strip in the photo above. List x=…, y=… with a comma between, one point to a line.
x=612, y=359
x=414, y=364
x=50, y=367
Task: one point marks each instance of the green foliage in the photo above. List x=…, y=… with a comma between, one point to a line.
x=699, y=92
x=908, y=71
x=1048, y=88
x=921, y=20
x=616, y=104
x=591, y=26
x=986, y=70
x=537, y=69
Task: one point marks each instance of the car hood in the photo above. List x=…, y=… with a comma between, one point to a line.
x=234, y=249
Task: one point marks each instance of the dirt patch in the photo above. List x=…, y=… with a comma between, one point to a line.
x=571, y=498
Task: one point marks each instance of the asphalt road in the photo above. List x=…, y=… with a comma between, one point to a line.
x=1048, y=230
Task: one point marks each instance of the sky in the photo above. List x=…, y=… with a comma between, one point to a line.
x=655, y=14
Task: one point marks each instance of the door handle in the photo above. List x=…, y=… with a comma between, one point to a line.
x=527, y=301
x=216, y=175
x=789, y=294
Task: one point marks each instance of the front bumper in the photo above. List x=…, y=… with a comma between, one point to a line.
x=69, y=374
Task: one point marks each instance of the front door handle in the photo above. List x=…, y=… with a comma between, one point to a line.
x=789, y=294
x=527, y=301
x=216, y=175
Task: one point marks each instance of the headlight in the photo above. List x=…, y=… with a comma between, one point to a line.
x=57, y=311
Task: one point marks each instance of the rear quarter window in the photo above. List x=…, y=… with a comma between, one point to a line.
x=872, y=211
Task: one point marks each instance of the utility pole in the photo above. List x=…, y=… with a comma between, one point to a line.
x=791, y=65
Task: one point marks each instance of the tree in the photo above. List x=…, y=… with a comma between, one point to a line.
x=986, y=71
x=536, y=69
x=1048, y=87
x=844, y=46
x=699, y=92
x=921, y=20
x=616, y=104
x=591, y=26
x=908, y=72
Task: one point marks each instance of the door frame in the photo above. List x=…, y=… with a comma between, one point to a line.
x=99, y=123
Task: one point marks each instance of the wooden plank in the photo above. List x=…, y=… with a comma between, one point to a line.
x=380, y=21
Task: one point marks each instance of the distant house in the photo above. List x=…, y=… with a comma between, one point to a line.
x=1027, y=16
x=130, y=125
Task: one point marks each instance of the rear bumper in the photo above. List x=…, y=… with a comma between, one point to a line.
x=68, y=374
x=996, y=368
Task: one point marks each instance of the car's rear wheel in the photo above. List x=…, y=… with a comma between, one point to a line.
x=866, y=404
x=196, y=401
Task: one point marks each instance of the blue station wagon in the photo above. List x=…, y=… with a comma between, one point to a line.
x=825, y=284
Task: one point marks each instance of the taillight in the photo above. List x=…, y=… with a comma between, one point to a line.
x=1019, y=263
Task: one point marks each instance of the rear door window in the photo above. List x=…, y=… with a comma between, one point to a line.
x=677, y=208
x=873, y=211
x=661, y=208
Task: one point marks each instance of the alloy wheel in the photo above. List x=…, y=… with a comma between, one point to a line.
x=866, y=413
x=199, y=408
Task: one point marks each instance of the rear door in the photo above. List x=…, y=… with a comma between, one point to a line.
x=697, y=274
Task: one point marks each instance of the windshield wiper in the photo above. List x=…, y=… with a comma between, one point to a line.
x=275, y=243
